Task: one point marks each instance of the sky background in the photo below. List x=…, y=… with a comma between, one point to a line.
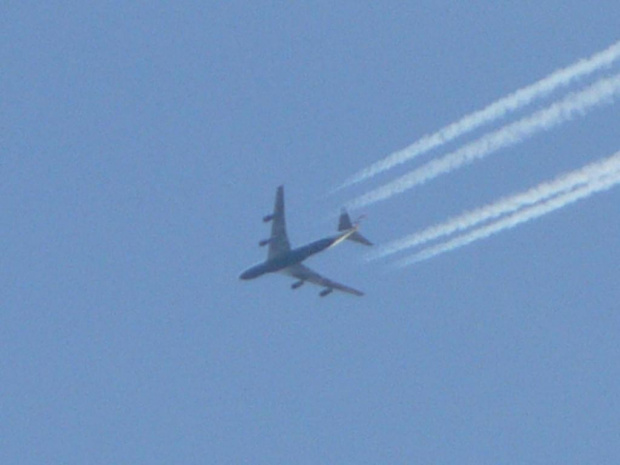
x=141, y=144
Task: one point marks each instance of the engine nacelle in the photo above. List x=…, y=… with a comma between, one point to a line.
x=264, y=242
x=267, y=218
x=297, y=284
x=325, y=292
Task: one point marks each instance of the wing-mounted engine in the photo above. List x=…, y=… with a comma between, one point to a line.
x=267, y=218
x=264, y=242
x=297, y=284
x=326, y=292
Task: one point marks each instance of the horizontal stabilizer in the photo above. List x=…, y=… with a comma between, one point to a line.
x=344, y=224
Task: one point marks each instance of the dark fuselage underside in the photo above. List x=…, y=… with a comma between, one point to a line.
x=287, y=259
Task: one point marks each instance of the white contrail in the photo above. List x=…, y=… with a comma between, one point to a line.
x=601, y=184
x=602, y=91
x=546, y=190
x=512, y=102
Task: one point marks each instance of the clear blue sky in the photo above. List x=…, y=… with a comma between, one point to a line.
x=141, y=144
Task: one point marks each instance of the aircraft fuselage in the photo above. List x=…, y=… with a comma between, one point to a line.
x=293, y=257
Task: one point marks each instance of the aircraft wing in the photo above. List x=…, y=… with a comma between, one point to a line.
x=304, y=273
x=278, y=242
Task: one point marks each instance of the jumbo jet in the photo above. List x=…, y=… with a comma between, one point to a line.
x=282, y=259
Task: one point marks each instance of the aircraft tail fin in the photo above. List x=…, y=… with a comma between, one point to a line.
x=344, y=224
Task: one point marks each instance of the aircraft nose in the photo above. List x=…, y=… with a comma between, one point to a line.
x=252, y=272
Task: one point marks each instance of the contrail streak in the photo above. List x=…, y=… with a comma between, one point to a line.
x=544, y=191
x=512, y=102
x=578, y=103
x=601, y=184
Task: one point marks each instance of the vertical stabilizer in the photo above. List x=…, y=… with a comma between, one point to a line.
x=344, y=223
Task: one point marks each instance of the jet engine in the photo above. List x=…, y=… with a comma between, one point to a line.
x=325, y=292
x=267, y=218
x=297, y=284
x=264, y=242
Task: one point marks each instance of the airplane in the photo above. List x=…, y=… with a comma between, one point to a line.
x=282, y=259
